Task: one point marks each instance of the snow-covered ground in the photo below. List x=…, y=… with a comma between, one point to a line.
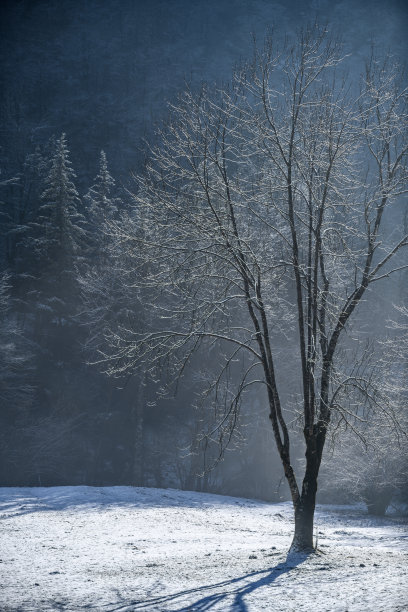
x=122, y=548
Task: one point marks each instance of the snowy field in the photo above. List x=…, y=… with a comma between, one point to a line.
x=121, y=549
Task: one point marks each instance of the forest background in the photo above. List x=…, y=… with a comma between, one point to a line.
x=102, y=73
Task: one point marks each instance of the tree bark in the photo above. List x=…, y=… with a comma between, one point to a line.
x=303, y=537
x=138, y=432
x=138, y=450
x=305, y=507
x=304, y=516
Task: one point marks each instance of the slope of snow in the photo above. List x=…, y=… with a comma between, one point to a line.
x=122, y=549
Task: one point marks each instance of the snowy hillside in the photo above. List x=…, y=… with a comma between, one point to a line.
x=122, y=548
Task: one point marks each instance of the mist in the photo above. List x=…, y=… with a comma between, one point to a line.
x=103, y=74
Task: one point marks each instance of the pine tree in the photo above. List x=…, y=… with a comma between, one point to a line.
x=106, y=300
x=58, y=240
x=102, y=204
x=55, y=247
x=101, y=293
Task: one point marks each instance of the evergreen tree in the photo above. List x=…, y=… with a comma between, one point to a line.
x=102, y=204
x=103, y=296
x=58, y=241
x=106, y=300
x=54, y=251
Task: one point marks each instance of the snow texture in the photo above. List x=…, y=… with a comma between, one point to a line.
x=121, y=549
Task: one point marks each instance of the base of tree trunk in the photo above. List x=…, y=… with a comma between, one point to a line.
x=300, y=546
x=303, y=538
x=378, y=500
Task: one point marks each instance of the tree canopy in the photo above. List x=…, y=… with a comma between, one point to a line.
x=262, y=213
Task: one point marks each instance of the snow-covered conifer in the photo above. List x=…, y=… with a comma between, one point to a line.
x=60, y=215
x=102, y=203
x=57, y=238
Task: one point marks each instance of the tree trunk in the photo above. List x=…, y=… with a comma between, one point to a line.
x=305, y=507
x=304, y=515
x=138, y=432
x=377, y=499
x=138, y=451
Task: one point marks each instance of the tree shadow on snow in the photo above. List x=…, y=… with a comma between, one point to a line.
x=233, y=598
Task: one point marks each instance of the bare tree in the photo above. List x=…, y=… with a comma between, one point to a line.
x=259, y=224
x=372, y=466
x=370, y=473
